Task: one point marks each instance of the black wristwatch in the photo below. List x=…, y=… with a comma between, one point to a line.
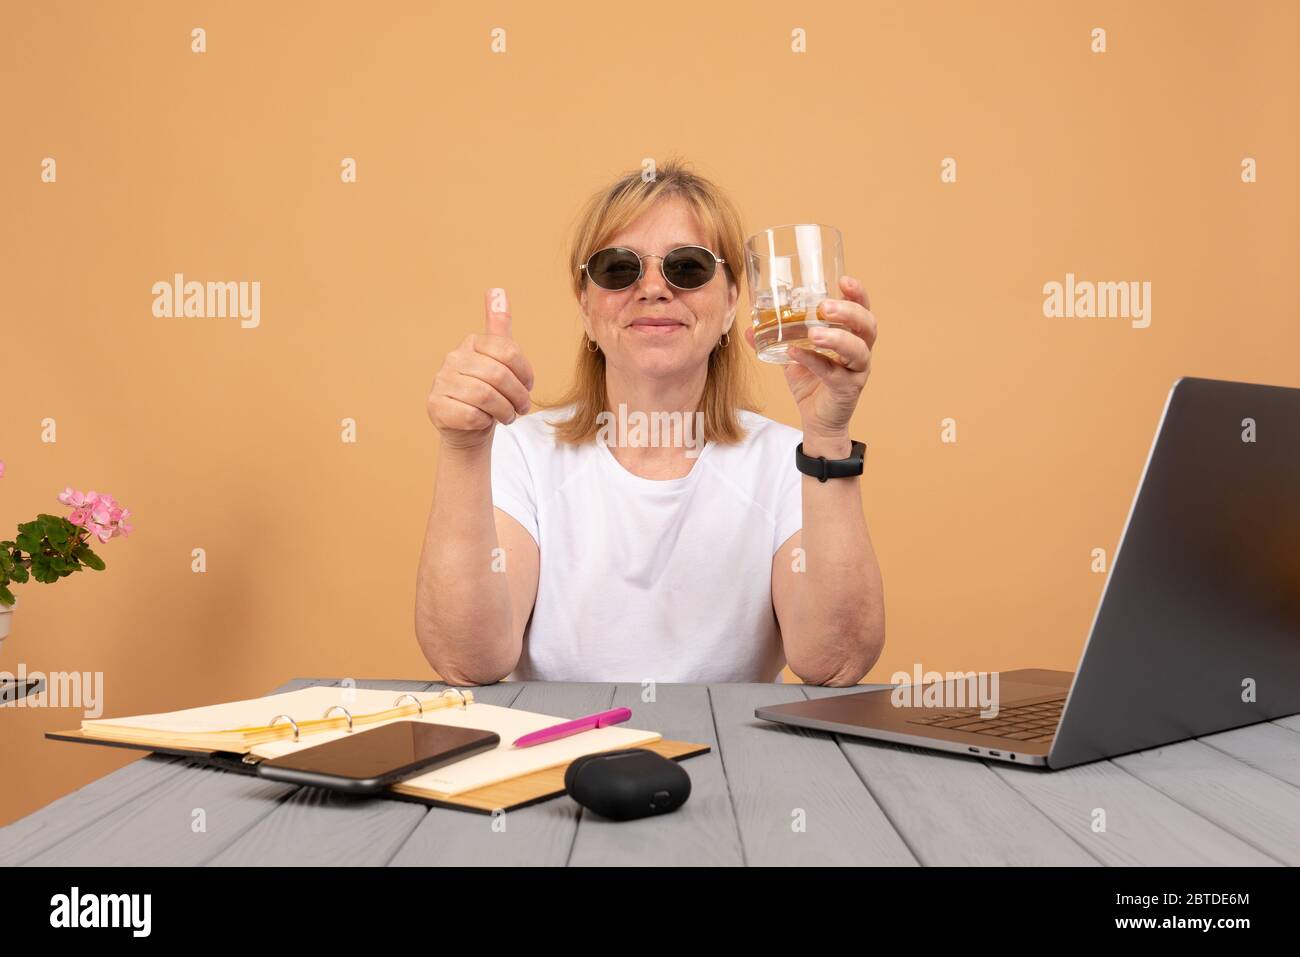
x=822, y=468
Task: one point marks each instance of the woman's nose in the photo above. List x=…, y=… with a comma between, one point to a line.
x=652, y=280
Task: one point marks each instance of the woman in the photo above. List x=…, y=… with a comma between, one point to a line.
x=554, y=553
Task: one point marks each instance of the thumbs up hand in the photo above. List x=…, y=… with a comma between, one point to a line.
x=483, y=381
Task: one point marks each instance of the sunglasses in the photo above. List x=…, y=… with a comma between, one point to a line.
x=686, y=267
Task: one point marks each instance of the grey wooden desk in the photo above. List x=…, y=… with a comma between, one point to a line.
x=765, y=795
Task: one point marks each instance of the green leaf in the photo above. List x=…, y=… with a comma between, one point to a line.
x=42, y=571
x=6, y=595
x=83, y=554
x=56, y=528
x=29, y=541
x=18, y=574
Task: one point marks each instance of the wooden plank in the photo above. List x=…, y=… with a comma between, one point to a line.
x=1142, y=825
x=1267, y=747
x=539, y=835
x=1291, y=724
x=61, y=819
x=797, y=800
x=951, y=810
x=1249, y=803
x=703, y=831
x=395, y=685
x=159, y=828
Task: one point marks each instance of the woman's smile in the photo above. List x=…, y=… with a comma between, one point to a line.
x=656, y=326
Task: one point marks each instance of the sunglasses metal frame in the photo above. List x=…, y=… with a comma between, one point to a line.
x=641, y=266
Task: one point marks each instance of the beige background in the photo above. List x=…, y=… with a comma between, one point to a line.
x=225, y=166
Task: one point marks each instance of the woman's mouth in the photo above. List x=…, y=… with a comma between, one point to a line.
x=656, y=326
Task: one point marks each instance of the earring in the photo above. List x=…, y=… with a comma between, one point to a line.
x=592, y=346
x=724, y=341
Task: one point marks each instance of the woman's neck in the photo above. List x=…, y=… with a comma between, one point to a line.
x=647, y=396
x=639, y=394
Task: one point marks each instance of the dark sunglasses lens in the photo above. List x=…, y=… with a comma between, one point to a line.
x=689, y=267
x=614, y=268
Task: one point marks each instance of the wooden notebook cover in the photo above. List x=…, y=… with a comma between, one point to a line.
x=505, y=795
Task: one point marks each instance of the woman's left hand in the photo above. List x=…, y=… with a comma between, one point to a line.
x=827, y=391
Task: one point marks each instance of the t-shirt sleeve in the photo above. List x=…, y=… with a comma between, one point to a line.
x=512, y=480
x=789, y=505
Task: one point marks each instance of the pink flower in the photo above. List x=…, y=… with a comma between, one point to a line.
x=69, y=497
x=99, y=513
x=2, y=470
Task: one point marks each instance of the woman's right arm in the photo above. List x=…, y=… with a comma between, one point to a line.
x=472, y=601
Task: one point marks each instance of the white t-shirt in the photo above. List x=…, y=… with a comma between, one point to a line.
x=645, y=579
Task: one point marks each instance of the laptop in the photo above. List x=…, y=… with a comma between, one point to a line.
x=1198, y=626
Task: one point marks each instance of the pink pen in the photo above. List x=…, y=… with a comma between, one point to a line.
x=601, y=720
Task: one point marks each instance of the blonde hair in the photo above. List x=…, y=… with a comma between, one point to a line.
x=609, y=210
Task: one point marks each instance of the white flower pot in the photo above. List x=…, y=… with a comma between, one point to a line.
x=6, y=616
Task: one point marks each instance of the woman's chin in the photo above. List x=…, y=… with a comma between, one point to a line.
x=659, y=361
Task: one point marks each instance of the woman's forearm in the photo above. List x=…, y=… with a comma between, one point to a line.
x=839, y=611
x=462, y=606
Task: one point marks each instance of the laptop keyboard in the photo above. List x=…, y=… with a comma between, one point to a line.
x=1028, y=722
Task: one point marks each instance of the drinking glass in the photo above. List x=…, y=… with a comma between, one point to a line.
x=791, y=269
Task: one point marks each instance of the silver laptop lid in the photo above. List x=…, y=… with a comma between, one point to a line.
x=1198, y=628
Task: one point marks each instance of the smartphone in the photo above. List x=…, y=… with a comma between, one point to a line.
x=365, y=762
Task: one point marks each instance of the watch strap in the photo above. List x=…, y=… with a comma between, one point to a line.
x=822, y=468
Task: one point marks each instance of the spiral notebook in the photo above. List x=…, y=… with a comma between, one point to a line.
x=259, y=728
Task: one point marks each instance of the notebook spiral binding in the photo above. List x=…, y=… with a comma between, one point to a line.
x=297, y=732
x=420, y=704
x=254, y=759
x=339, y=707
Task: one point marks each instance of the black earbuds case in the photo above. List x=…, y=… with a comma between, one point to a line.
x=623, y=785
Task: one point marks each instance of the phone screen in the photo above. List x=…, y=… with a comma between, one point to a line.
x=379, y=756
